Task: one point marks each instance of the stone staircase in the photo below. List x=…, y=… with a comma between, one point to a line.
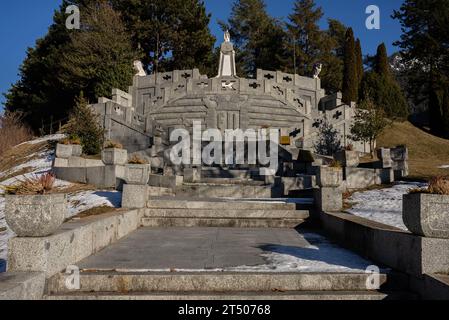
x=129, y=285
x=220, y=212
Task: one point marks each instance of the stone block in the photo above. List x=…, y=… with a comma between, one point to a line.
x=137, y=173
x=114, y=156
x=104, y=232
x=134, y=196
x=360, y=178
x=328, y=199
x=385, y=158
x=76, y=175
x=347, y=158
x=192, y=174
x=76, y=162
x=301, y=182
x=165, y=181
x=60, y=163
x=66, y=151
x=427, y=215
x=384, y=176
x=22, y=285
x=399, y=153
x=329, y=176
x=94, y=163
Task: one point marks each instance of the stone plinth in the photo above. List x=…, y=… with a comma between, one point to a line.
x=347, y=158
x=137, y=173
x=66, y=151
x=329, y=177
x=427, y=215
x=114, y=156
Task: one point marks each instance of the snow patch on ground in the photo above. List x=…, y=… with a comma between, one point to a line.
x=383, y=205
x=85, y=200
x=320, y=255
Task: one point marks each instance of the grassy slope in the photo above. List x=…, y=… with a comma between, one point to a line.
x=426, y=151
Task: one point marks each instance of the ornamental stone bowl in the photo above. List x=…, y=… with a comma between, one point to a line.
x=35, y=215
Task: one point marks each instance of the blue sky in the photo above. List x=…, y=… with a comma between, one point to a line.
x=24, y=21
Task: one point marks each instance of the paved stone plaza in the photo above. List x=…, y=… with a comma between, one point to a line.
x=225, y=249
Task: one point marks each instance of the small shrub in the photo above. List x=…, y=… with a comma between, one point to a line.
x=113, y=145
x=34, y=185
x=349, y=147
x=72, y=140
x=135, y=159
x=84, y=123
x=335, y=164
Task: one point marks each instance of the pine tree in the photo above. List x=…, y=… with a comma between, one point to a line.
x=100, y=55
x=381, y=61
x=258, y=38
x=305, y=36
x=332, y=56
x=350, y=79
x=173, y=34
x=426, y=52
x=359, y=62
x=380, y=86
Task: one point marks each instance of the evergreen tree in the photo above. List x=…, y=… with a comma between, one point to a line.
x=350, y=78
x=380, y=86
x=329, y=139
x=305, y=35
x=359, y=61
x=100, y=55
x=424, y=44
x=381, y=61
x=332, y=56
x=84, y=124
x=258, y=38
x=173, y=34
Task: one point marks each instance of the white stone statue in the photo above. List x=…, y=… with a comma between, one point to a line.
x=138, y=67
x=227, y=36
x=317, y=70
x=227, y=66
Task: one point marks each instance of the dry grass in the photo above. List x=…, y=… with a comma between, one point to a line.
x=12, y=131
x=19, y=155
x=426, y=151
x=135, y=159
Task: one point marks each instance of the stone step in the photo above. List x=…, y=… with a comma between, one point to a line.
x=160, y=192
x=227, y=191
x=226, y=213
x=224, y=282
x=270, y=295
x=218, y=204
x=231, y=181
x=209, y=222
x=214, y=172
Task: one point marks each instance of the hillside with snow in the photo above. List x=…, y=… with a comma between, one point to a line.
x=36, y=158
